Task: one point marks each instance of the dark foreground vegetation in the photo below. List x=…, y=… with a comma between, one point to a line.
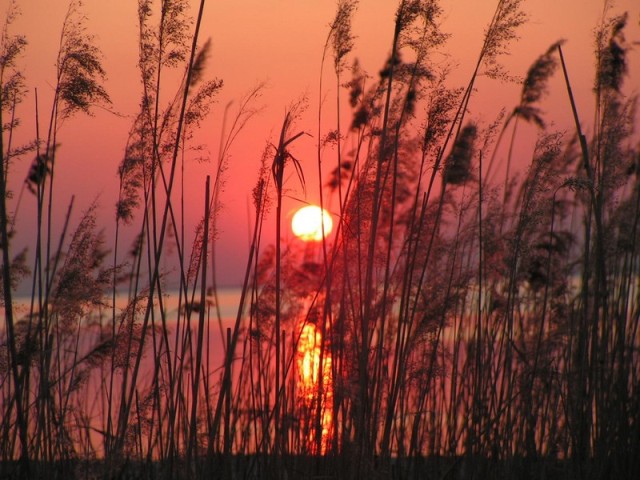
x=304, y=467
x=468, y=317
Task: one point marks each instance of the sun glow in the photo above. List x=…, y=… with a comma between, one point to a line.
x=307, y=223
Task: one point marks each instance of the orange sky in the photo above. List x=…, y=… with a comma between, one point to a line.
x=280, y=42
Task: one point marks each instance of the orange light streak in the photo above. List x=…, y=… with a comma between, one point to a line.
x=309, y=391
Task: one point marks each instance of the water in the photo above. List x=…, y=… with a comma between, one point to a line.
x=84, y=333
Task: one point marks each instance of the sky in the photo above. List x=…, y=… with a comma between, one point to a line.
x=280, y=43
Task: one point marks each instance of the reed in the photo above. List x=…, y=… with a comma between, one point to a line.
x=453, y=325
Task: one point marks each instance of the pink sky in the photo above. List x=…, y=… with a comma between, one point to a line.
x=280, y=42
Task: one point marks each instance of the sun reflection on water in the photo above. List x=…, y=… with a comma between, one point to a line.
x=313, y=389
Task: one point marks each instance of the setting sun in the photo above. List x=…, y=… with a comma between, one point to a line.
x=307, y=223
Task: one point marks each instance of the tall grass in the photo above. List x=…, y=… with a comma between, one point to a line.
x=454, y=325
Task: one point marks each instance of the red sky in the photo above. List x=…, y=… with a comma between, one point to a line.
x=280, y=42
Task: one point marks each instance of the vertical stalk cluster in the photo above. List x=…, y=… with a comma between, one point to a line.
x=451, y=324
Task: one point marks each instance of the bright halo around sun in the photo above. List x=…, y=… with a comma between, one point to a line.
x=307, y=223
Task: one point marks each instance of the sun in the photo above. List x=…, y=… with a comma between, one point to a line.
x=307, y=223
